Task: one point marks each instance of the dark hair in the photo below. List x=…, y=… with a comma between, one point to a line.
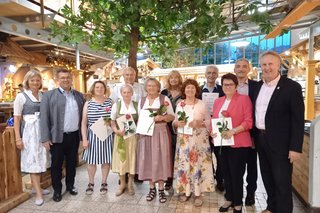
x=62, y=71
x=94, y=84
x=189, y=82
x=230, y=76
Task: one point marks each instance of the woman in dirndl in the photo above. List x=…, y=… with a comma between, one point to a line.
x=34, y=158
x=154, y=161
x=124, y=150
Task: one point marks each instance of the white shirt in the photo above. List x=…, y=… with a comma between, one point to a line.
x=263, y=100
x=156, y=105
x=123, y=110
x=71, y=114
x=243, y=89
x=21, y=100
x=138, y=92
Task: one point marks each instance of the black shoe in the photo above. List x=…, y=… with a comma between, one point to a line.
x=250, y=200
x=237, y=211
x=136, y=179
x=72, y=191
x=57, y=196
x=223, y=209
x=220, y=187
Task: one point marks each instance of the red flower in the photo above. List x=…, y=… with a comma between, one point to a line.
x=166, y=103
x=182, y=104
x=184, y=179
x=193, y=156
x=128, y=116
x=225, y=113
x=108, y=109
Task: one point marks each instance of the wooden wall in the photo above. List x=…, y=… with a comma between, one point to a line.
x=300, y=176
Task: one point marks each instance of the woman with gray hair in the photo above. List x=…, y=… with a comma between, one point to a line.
x=124, y=151
x=26, y=126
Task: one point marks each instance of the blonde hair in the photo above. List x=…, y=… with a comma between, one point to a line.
x=171, y=74
x=154, y=80
x=30, y=74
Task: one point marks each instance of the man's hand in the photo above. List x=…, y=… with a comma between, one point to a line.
x=294, y=156
x=47, y=144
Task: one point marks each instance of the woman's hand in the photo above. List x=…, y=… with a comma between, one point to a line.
x=180, y=124
x=19, y=144
x=85, y=144
x=120, y=133
x=196, y=124
x=227, y=134
x=159, y=118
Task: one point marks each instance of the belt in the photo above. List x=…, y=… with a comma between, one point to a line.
x=69, y=133
x=262, y=131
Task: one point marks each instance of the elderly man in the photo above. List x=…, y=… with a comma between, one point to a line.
x=248, y=87
x=60, y=120
x=279, y=129
x=129, y=75
x=211, y=74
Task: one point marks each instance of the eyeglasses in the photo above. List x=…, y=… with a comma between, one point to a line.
x=64, y=78
x=228, y=85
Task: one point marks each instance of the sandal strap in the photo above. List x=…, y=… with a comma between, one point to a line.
x=151, y=195
x=162, y=196
x=103, y=187
x=90, y=187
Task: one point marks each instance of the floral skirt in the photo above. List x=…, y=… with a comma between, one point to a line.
x=154, y=155
x=193, y=163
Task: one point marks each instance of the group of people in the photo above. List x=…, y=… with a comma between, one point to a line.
x=267, y=117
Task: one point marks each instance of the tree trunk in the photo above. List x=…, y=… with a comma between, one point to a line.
x=132, y=58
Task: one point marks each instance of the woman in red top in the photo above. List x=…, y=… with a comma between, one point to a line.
x=239, y=108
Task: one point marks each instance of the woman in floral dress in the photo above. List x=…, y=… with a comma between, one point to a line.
x=193, y=159
x=124, y=150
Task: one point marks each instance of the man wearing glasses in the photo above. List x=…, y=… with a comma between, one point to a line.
x=60, y=120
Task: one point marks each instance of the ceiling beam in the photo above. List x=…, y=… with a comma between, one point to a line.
x=297, y=13
x=19, y=29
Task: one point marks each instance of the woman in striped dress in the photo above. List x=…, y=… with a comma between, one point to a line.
x=97, y=151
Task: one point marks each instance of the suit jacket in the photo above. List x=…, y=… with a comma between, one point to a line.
x=217, y=89
x=284, y=120
x=253, y=86
x=240, y=110
x=52, y=110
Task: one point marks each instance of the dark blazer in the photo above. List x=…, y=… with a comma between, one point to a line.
x=52, y=109
x=217, y=89
x=253, y=86
x=284, y=119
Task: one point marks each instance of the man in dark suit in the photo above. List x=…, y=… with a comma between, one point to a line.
x=60, y=120
x=279, y=129
x=248, y=87
x=211, y=74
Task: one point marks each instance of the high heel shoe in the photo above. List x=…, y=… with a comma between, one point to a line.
x=237, y=211
x=225, y=209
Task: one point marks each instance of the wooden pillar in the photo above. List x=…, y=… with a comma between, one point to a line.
x=309, y=92
x=11, y=193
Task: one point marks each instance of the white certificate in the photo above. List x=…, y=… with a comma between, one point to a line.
x=145, y=123
x=189, y=113
x=209, y=99
x=127, y=124
x=100, y=129
x=218, y=123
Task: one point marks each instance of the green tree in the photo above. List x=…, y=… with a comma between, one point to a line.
x=162, y=25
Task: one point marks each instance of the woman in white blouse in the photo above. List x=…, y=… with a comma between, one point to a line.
x=124, y=151
x=154, y=161
x=26, y=127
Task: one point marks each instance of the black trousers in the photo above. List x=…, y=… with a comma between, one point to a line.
x=233, y=168
x=276, y=171
x=67, y=150
x=252, y=172
x=218, y=171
